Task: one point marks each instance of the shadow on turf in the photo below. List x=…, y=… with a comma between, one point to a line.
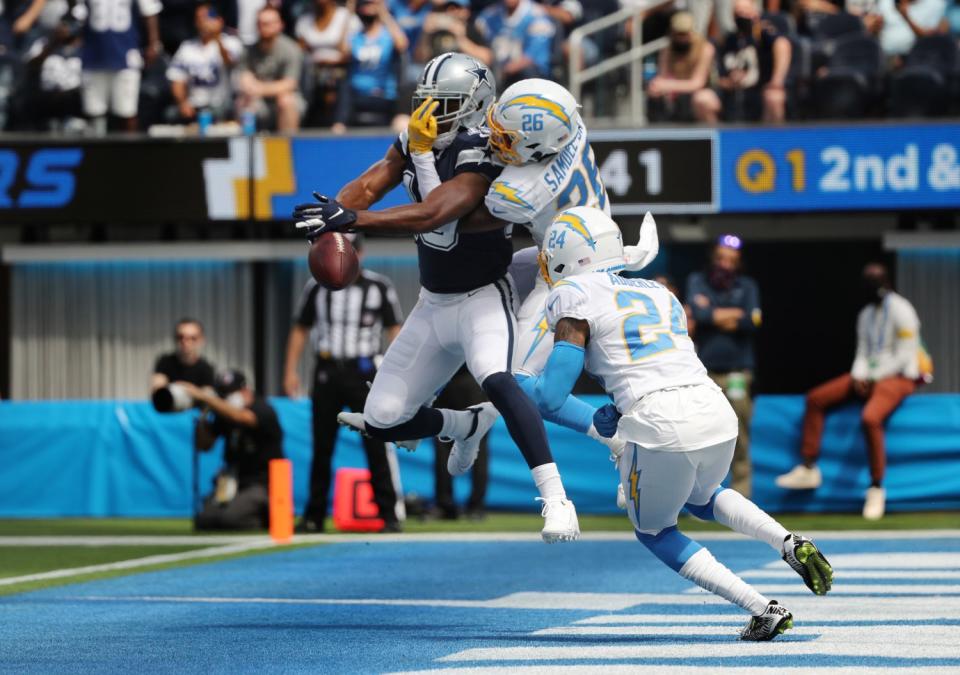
x=524, y=637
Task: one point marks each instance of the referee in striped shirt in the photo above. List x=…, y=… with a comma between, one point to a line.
x=346, y=329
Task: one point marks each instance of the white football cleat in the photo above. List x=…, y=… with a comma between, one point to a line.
x=465, y=450
x=561, y=522
x=354, y=420
x=876, y=504
x=801, y=477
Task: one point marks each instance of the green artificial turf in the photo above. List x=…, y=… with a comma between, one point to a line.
x=494, y=522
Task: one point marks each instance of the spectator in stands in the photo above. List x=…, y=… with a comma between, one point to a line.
x=566, y=13
x=368, y=96
x=253, y=437
x=725, y=303
x=410, y=15
x=885, y=371
x=53, y=99
x=447, y=28
x=177, y=23
x=244, y=15
x=753, y=64
x=522, y=35
x=322, y=33
x=898, y=23
x=112, y=61
x=185, y=363
x=200, y=72
x=269, y=80
x=346, y=331
x=679, y=91
x=460, y=393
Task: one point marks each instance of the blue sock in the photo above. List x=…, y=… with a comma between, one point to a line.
x=670, y=545
x=521, y=416
x=705, y=511
x=573, y=414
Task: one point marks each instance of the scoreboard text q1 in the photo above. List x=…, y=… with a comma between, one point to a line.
x=840, y=168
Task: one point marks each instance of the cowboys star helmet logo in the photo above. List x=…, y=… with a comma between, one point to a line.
x=480, y=73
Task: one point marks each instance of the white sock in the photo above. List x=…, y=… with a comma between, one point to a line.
x=735, y=511
x=548, y=481
x=706, y=572
x=456, y=423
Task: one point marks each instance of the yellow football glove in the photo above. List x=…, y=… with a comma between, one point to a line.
x=422, y=127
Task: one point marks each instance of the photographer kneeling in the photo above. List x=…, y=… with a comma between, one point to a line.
x=253, y=437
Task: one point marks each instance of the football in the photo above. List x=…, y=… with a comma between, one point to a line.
x=333, y=261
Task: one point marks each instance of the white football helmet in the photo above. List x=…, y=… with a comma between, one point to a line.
x=533, y=119
x=464, y=88
x=579, y=240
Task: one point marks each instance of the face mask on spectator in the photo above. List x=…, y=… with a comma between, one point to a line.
x=680, y=46
x=236, y=400
x=871, y=289
x=721, y=278
x=744, y=25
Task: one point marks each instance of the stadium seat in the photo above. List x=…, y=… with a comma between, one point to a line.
x=784, y=23
x=850, y=85
x=836, y=26
x=928, y=82
x=918, y=91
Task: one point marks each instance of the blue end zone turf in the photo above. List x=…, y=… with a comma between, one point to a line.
x=384, y=607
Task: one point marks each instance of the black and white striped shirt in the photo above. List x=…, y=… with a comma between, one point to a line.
x=349, y=323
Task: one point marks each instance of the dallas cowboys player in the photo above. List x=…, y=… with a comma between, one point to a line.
x=680, y=430
x=467, y=305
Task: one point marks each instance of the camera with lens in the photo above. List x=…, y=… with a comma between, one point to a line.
x=172, y=398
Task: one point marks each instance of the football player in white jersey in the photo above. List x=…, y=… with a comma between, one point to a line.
x=680, y=430
x=537, y=133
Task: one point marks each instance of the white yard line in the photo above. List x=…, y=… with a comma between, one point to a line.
x=428, y=537
x=130, y=540
x=139, y=562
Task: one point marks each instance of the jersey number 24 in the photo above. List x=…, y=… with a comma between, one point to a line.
x=647, y=334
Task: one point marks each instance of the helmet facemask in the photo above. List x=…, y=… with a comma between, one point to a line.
x=503, y=141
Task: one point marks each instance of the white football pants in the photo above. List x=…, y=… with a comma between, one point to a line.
x=443, y=331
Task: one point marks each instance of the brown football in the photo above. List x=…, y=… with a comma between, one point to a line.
x=333, y=261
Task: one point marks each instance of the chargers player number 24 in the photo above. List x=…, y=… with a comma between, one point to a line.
x=645, y=333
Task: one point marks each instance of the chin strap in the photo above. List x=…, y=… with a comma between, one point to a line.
x=647, y=247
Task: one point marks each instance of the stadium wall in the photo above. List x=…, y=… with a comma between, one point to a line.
x=120, y=458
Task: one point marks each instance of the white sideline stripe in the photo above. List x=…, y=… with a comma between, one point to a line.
x=656, y=669
x=733, y=650
x=855, y=589
x=848, y=574
x=137, y=562
x=886, y=561
x=130, y=540
x=428, y=537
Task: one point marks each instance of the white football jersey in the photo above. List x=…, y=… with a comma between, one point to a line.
x=533, y=194
x=638, y=334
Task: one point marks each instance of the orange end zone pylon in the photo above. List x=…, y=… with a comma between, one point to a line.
x=281, y=500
